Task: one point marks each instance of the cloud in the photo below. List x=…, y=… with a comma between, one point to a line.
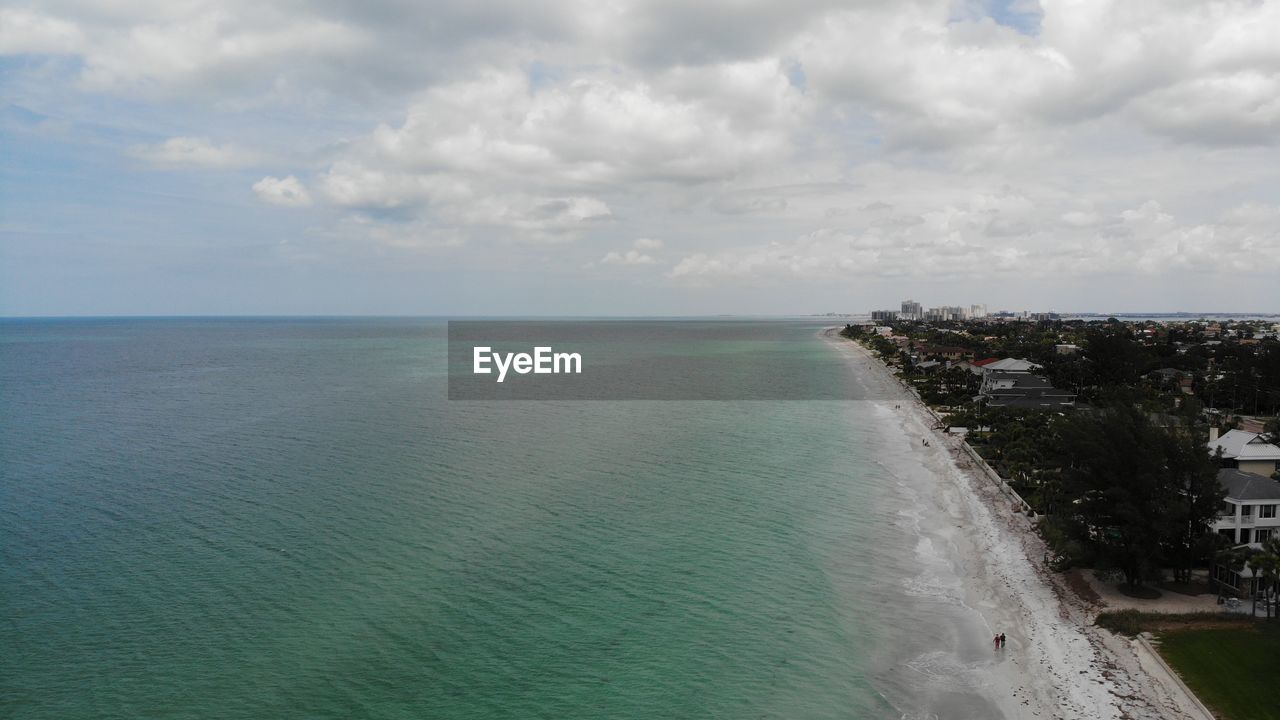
x=195, y=152
x=594, y=128
x=749, y=203
x=918, y=139
x=639, y=254
x=24, y=31
x=931, y=73
x=630, y=257
x=287, y=191
x=492, y=152
x=972, y=242
x=1203, y=73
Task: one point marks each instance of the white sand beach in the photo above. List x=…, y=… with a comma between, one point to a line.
x=1056, y=663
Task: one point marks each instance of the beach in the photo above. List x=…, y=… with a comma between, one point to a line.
x=1055, y=663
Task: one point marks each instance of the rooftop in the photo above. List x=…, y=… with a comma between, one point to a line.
x=1241, y=445
x=1247, y=486
x=1009, y=364
x=1016, y=380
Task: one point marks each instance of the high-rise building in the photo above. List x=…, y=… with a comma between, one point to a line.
x=911, y=310
x=978, y=311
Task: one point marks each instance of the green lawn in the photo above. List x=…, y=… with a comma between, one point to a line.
x=1236, y=672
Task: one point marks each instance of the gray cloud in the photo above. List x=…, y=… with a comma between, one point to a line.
x=895, y=138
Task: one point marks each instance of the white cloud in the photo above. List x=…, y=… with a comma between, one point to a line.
x=888, y=138
x=23, y=31
x=630, y=257
x=1197, y=72
x=287, y=191
x=969, y=242
x=492, y=152
x=641, y=253
x=195, y=152
x=932, y=73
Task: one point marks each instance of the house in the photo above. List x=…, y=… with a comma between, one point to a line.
x=1246, y=451
x=1166, y=374
x=981, y=367
x=1020, y=388
x=946, y=352
x=1250, y=516
x=975, y=366
x=1250, y=510
x=1066, y=349
x=1013, y=364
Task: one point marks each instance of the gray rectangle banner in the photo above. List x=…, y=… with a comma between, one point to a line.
x=648, y=360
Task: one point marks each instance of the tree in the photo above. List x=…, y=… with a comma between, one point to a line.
x=1135, y=490
x=1267, y=564
x=1117, y=359
x=1193, y=476
x=1112, y=468
x=1272, y=429
x=1229, y=557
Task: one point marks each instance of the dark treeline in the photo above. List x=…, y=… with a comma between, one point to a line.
x=1123, y=481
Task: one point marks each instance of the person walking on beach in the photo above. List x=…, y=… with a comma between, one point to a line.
x=996, y=640
x=1001, y=639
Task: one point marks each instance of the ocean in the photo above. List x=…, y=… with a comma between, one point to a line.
x=287, y=518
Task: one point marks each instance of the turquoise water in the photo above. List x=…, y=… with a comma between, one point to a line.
x=286, y=519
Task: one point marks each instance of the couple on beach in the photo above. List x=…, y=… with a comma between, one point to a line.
x=998, y=640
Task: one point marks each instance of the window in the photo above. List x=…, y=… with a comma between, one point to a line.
x=1262, y=535
x=1228, y=509
x=1246, y=511
x=1244, y=536
x=1266, y=511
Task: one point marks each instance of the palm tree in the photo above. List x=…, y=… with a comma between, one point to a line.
x=1266, y=564
x=1231, y=558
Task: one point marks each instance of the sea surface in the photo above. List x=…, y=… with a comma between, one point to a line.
x=286, y=518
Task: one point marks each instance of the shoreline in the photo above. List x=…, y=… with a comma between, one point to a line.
x=1059, y=664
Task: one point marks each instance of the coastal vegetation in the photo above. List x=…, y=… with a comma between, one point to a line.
x=1132, y=622
x=1131, y=495
x=1119, y=479
x=1221, y=366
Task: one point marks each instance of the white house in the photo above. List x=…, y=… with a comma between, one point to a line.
x=1246, y=451
x=1249, y=513
x=1019, y=388
x=1011, y=364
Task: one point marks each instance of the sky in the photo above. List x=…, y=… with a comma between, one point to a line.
x=608, y=157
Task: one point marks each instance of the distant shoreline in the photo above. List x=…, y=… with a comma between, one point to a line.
x=1046, y=620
